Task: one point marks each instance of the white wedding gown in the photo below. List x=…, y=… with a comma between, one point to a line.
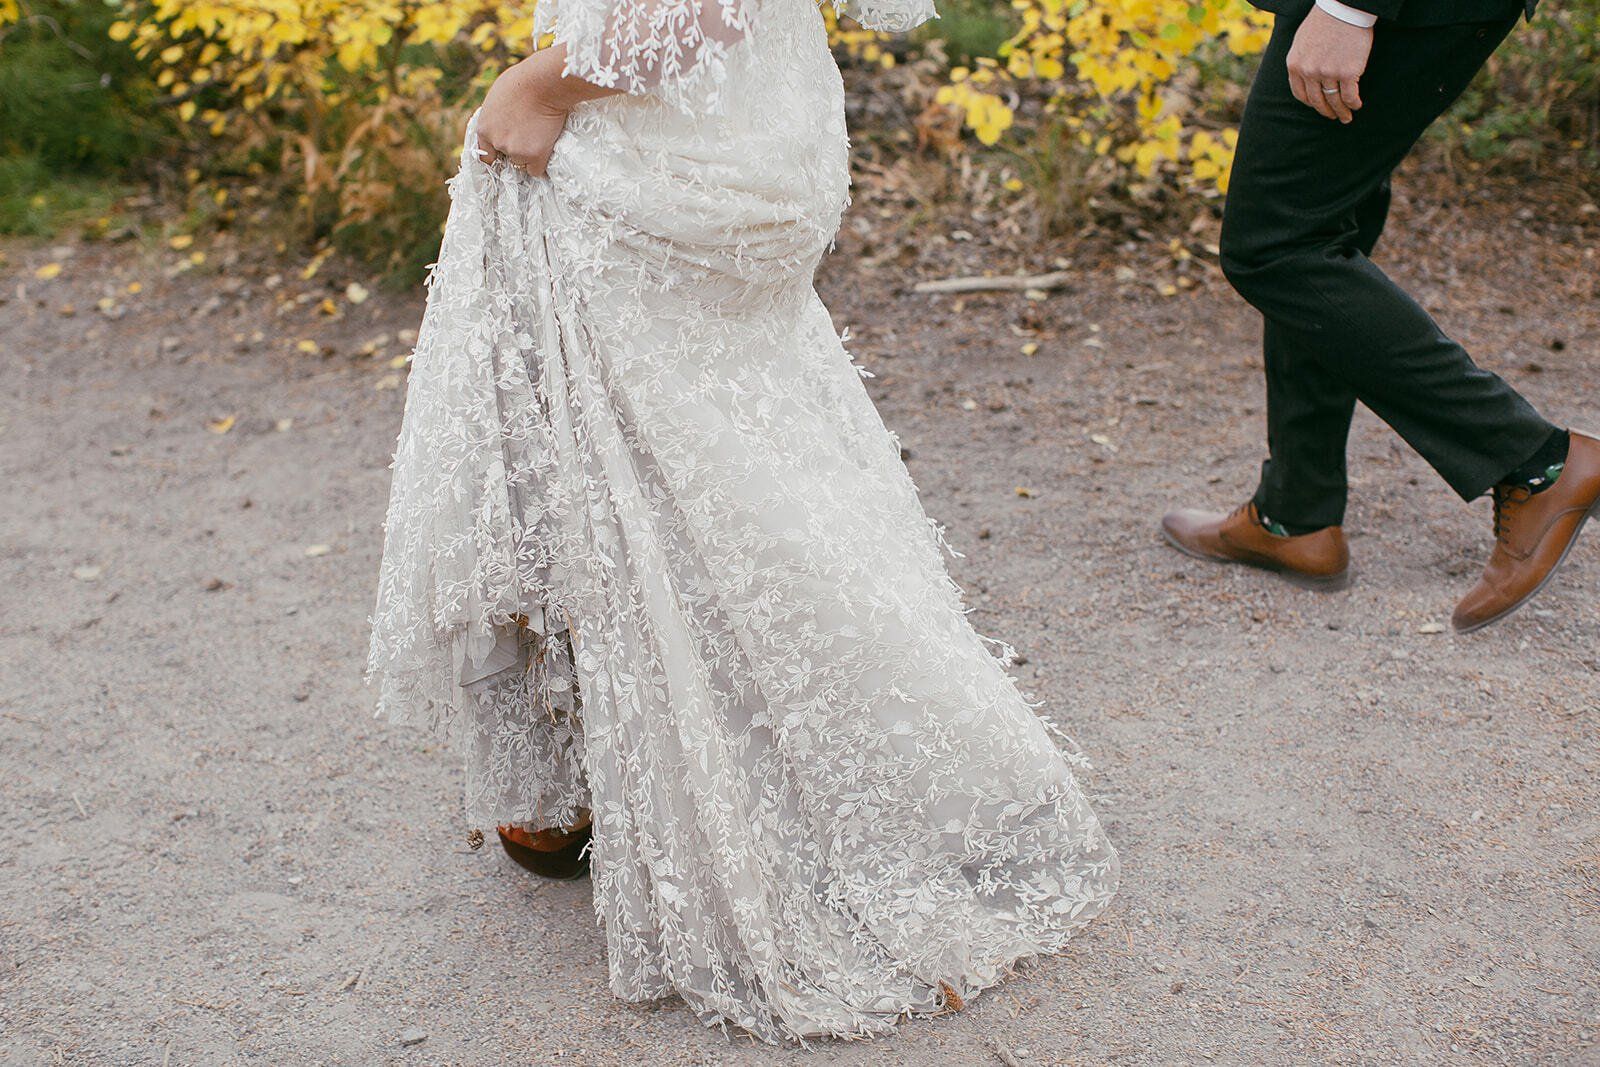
x=818, y=797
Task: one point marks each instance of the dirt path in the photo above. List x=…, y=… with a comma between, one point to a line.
x=1346, y=837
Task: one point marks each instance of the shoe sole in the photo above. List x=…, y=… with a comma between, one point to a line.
x=1333, y=583
x=559, y=866
x=1593, y=512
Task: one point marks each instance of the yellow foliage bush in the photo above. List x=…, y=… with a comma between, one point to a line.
x=1119, y=76
x=352, y=110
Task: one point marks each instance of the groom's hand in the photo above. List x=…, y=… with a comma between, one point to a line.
x=1326, y=62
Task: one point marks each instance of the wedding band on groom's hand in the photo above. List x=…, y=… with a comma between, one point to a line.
x=1328, y=90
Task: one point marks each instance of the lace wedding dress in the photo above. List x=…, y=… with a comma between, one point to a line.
x=651, y=551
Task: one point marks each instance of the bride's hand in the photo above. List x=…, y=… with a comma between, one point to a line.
x=526, y=110
x=518, y=122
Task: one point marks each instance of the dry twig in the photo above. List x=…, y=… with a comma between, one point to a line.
x=1001, y=283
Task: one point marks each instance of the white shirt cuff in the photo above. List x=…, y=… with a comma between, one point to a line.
x=1345, y=13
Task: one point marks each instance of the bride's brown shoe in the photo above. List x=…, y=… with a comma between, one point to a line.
x=559, y=854
x=1319, y=560
x=1533, y=534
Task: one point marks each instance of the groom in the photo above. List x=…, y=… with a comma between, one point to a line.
x=1342, y=95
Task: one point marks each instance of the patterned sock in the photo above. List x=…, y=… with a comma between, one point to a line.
x=1287, y=529
x=1544, y=466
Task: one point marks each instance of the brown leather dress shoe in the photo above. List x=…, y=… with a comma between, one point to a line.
x=1319, y=560
x=559, y=854
x=1533, y=534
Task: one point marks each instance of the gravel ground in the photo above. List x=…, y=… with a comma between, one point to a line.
x=1347, y=835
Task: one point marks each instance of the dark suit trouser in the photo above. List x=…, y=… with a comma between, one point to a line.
x=1306, y=205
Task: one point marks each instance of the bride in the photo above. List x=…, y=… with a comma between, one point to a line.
x=652, y=556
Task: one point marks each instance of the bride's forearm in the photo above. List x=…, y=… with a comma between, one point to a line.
x=540, y=74
x=526, y=110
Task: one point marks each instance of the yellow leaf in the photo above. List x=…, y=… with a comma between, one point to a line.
x=315, y=265
x=181, y=241
x=222, y=425
x=48, y=271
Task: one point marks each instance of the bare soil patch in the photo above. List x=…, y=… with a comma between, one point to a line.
x=1348, y=836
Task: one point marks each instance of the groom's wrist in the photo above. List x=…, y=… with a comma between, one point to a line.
x=1353, y=16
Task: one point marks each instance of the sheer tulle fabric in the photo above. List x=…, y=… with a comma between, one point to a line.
x=818, y=796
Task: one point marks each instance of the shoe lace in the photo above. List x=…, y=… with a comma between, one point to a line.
x=1507, y=499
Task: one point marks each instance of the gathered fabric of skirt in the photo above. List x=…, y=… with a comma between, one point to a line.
x=651, y=551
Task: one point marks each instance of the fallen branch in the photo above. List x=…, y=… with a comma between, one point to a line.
x=1003, y=283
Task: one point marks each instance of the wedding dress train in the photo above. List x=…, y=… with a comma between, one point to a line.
x=819, y=800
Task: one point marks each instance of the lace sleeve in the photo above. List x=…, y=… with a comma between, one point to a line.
x=677, y=47
x=888, y=16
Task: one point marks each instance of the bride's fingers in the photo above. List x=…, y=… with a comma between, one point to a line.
x=534, y=165
x=486, y=151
